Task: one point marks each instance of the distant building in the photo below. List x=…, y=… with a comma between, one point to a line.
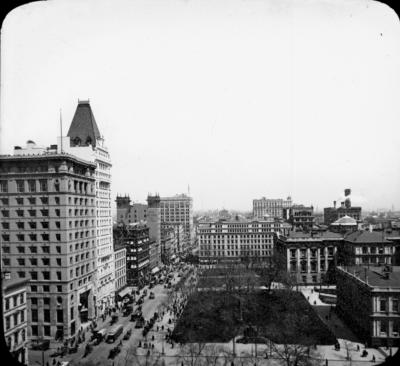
x=128, y=213
x=179, y=210
x=120, y=267
x=238, y=240
x=365, y=248
x=368, y=300
x=15, y=318
x=345, y=224
x=334, y=213
x=308, y=255
x=299, y=216
x=224, y=215
x=135, y=238
x=168, y=244
x=154, y=224
x=271, y=207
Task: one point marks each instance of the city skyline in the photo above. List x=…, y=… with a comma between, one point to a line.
x=237, y=101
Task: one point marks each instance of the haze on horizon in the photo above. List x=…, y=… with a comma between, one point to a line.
x=237, y=99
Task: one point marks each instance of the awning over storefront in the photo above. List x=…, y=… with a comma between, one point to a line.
x=124, y=292
x=155, y=270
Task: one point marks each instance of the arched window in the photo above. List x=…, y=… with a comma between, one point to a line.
x=89, y=141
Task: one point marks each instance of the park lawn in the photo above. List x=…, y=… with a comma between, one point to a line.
x=282, y=316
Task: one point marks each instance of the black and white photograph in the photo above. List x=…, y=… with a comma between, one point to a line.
x=200, y=183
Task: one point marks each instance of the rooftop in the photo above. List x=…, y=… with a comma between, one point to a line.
x=366, y=237
x=320, y=235
x=83, y=130
x=345, y=221
x=375, y=276
x=46, y=155
x=14, y=283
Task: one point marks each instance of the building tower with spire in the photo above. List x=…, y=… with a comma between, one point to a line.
x=84, y=140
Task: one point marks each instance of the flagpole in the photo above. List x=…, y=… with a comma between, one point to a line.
x=61, y=137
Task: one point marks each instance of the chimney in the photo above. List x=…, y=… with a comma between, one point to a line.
x=334, y=204
x=370, y=228
x=341, y=204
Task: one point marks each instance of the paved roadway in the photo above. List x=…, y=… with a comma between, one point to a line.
x=100, y=352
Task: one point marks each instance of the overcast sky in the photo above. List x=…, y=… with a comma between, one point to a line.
x=238, y=99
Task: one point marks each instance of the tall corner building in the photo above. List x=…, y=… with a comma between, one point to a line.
x=84, y=140
x=48, y=236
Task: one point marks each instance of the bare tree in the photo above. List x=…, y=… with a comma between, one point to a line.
x=273, y=271
x=213, y=354
x=135, y=357
x=191, y=354
x=286, y=350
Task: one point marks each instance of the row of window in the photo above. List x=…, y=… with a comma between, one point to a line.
x=313, y=252
x=31, y=185
x=45, y=201
x=46, y=249
x=213, y=253
x=389, y=306
x=16, y=300
x=32, y=261
x=45, y=212
x=15, y=319
x=33, y=249
x=46, y=315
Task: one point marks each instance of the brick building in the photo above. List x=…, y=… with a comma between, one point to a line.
x=334, y=213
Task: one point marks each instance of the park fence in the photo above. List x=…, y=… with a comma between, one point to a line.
x=156, y=359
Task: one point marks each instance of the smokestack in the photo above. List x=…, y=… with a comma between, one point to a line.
x=347, y=192
x=334, y=204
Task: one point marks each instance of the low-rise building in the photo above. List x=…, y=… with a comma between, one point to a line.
x=308, y=255
x=365, y=248
x=345, y=224
x=238, y=240
x=15, y=318
x=368, y=300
